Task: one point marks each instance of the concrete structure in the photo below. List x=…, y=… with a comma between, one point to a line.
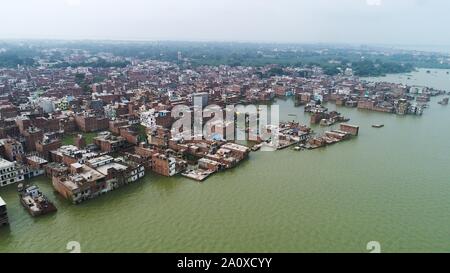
x=202, y=97
x=13, y=149
x=47, y=145
x=167, y=165
x=9, y=173
x=34, y=166
x=109, y=143
x=3, y=214
x=208, y=164
x=351, y=129
x=69, y=154
x=98, y=176
x=91, y=123
x=240, y=152
x=47, y=105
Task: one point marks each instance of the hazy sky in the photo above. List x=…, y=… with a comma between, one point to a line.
x=341, y=21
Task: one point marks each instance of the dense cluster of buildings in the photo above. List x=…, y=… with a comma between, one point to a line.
x=129, y=111
x=373, y=96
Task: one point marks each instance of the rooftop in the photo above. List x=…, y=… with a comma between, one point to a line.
x=37, y=159
x=100, y=159
x=88, y=174
x=234, y=146
x=5, y=163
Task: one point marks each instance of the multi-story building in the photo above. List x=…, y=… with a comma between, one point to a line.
x=47, y=145
x=9, y=128
x=34, y=166
x=70, y=154
x=167, y=165
x=3, y=213
x=201, y=97
x=81, y=184
x=98, y=176
x=118, y=171
x=91, y=123
x=8, y=111
x=13, y=149
x=109, y=143
x=240, y=152
x=32, y=136
x=9, y=173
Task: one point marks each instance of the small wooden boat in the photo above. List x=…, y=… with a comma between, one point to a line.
x=378, y=125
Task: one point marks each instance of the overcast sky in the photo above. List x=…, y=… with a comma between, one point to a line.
x=413, y=22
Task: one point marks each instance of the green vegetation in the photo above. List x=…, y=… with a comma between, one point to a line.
x=70, y=138
x=333, y=59
x=98, y=79
x=367, y=68
x=11, y=60
x=142, y=131
x=100, y=63
x=79, y=78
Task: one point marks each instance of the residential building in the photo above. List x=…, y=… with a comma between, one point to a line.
x=98, y=176
x=13, y=149
x=109, y=143
x=9, y=173
x=167, y=165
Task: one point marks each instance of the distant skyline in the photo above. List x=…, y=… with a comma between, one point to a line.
x=384, y=22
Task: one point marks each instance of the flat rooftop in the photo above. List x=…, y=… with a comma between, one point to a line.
x=104, y=169
x=37, y=159
x=234, y=146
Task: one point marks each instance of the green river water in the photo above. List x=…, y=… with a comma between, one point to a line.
x=390, y=185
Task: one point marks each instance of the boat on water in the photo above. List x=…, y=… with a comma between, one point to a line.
x=444, y=101
x=35, y=201
x=256, y=147
x=378, y=125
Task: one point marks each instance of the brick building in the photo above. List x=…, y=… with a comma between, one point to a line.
x=109, y=143
x=91, y=123
x=45, y=146
x=13, y=149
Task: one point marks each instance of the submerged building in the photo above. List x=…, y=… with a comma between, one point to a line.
x=96, y=177
x=3, y=213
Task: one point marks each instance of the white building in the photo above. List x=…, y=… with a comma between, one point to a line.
x=47, y=105
x=9, y=173
x=148, y=119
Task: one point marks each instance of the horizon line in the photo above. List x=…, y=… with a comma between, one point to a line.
x=391, y=46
